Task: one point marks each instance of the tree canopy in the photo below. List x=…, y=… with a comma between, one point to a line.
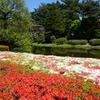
x=15, y=23
x=70, y=19
x=58, y=19
x=51, y=18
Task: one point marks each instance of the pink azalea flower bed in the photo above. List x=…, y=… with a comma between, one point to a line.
x=37, y=77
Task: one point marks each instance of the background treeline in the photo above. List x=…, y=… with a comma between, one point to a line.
x=70, y=19
x=63, y=20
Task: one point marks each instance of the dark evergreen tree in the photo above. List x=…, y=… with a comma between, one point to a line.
x=54, y=21
x=39, y=14
x=50, y=16
x=71, y=12
x=87, y=28
x=90, y=8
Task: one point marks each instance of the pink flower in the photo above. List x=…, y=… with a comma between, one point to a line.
x=72, y=63
x=98, y=76
x=50, y=66
x=61, y=70
x=33, y=61
x=96, y=80
x=83, y=74
x=52, y=58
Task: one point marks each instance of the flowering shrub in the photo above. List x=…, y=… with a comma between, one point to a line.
x=2, y=48
x=88, y=68
x=18, y=82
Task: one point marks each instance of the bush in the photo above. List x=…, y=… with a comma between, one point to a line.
x=94, y=42
x=4, y=48
x=61, y=40
x=53, y=39
x=23, y=45
x=77, y=42
x=14, y=39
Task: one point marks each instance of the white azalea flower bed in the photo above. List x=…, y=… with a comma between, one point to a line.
x=89, y=68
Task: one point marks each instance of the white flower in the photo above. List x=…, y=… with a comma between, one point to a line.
x=35, y=68
x=4, y=59
x=52, y=71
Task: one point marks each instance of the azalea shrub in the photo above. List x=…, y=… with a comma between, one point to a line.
x=18, y=82
x=4, y=48
x=88, y=68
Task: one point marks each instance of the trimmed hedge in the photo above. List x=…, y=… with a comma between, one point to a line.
x=94, y=42
x=4, y=48
x=77, y=42
x=61, y=40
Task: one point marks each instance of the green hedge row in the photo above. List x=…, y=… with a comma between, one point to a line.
x=63, y=40
x=94, y=42
x=77, y=42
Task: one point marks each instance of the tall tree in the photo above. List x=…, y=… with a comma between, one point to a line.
x=87, y=28
x=51, y=17
x=55, y=24
x=71, y=12
x=90, y=8
x=37, y=33
x=39, y=14
x=14, y=23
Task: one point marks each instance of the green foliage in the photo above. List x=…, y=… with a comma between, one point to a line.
x=61, y=19
x=14, y=24
x=94, y=42
x=37, y=33
x=70, y=12
x=61, y=40
x=23, y=45
x=87, y=28
x=39, y=14
x=89, y=8
x=51, y=18
x=86, y=88
x=53, y=39
x=15, y=40
x=54, y=20
x=28, y=50
x=40, y=38
x=74, y=28
x=29, y=71
x=90, y=80
x=77, y=42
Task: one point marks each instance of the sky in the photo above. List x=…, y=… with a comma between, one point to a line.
x=31, y=4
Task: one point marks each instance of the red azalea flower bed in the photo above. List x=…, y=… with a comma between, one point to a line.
x=18, y=82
